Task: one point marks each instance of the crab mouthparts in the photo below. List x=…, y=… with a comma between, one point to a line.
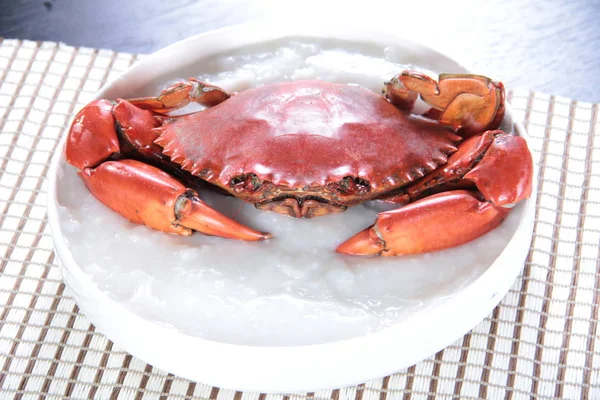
x=301, y=207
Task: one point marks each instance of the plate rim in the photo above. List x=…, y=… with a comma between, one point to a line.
x=283, y=368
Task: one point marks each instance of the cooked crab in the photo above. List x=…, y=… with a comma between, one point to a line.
x=310, y=148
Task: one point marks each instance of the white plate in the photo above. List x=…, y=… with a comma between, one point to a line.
x=446, y=307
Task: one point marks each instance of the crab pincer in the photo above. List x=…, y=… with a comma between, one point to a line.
x=101, y=138
x=438, y=222
x=496, y=169
x=149, y=196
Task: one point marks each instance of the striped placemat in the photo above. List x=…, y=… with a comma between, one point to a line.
x=540, y=342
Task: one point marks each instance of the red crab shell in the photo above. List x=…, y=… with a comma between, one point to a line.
x=300, y=139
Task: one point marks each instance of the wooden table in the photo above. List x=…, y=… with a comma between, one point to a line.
x=541, y=45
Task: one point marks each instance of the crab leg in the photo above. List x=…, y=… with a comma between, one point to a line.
x=473, y=103
x=146, y=195
x=498, y=165
x=181, y=94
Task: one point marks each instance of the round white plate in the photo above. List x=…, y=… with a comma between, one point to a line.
x=446, y=295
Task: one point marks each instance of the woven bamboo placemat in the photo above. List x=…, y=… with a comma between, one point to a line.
x=540, y=342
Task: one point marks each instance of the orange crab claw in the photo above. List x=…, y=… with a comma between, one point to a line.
x=92, y=137
x=146, y=195
x=473, y=103
x=437, y=222
x=181, y=94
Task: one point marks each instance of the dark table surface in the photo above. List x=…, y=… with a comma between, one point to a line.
x=543, y=45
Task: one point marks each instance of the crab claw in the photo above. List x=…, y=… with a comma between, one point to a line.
x=498, y=165
x=437, y=222
x=473, y=103
x=146, y=195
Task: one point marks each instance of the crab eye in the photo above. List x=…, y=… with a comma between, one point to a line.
x=245, y=183
x=237, y=180
x=354, y=185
